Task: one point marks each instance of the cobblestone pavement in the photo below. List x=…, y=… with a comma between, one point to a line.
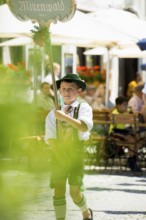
x=111, y=196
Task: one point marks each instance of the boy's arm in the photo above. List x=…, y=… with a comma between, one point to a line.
x=79, y=125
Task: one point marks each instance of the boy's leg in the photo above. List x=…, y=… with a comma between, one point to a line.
x=132, y=163
x=81, y=201
x=75, y=178
x=59, y=200
x=132, y=159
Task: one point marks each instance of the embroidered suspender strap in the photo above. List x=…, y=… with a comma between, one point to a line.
x=76, y=110
x=57, y=126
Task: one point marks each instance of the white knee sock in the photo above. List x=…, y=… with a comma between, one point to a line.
x=60, y=208
x=83, y=204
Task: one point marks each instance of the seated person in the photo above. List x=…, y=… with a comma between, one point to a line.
x=44, y=103
x=123, y=133
x=143, y=111
x=90, y=92
x=121, y=107
x=98, y=103
x=135, y=102
x=101, y=92
x=132, y=85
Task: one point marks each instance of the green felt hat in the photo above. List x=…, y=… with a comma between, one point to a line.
x=71, y=77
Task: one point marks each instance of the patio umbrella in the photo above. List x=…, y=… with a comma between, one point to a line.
x=93, y=34
x=96, y=51
x=134, y=52
x=25, y=40
x=17, y=41
x=122, y=21
x=94, y=31
x=10, y=26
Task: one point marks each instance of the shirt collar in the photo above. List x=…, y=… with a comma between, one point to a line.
x=74, y=104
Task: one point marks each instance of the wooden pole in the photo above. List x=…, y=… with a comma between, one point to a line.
x=48, y=48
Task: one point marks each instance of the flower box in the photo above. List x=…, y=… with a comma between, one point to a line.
x=91, y=74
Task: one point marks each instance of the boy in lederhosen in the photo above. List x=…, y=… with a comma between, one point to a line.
x=66, y=136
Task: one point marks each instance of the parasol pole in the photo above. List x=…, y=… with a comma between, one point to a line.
x=107, y=78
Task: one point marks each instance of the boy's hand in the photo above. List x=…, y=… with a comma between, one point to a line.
x=79, y=125
x=60, y=115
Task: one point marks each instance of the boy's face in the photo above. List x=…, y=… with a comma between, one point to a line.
x=122, y=107
x=69, y=92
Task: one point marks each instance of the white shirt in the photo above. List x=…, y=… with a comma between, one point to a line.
x=136, y=103
x=85, y=114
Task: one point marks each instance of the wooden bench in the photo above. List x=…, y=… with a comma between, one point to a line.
x=101, y=117
x=98, y=136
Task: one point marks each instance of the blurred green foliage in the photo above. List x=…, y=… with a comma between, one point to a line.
x=23, y=153
x=2, y=2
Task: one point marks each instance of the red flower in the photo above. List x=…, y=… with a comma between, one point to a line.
x=96, y=67
x=13, y=67
x=91, y=74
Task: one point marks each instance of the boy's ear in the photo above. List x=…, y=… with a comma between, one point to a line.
x=80, y=90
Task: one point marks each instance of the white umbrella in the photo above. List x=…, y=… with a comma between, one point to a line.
x=80, y=30
x=128, y=53
x=22, y=41
x=18, y=41
x=96, y=51
x=83, y=27
x=93, y=5
x=10, y=26
x=122, y=21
